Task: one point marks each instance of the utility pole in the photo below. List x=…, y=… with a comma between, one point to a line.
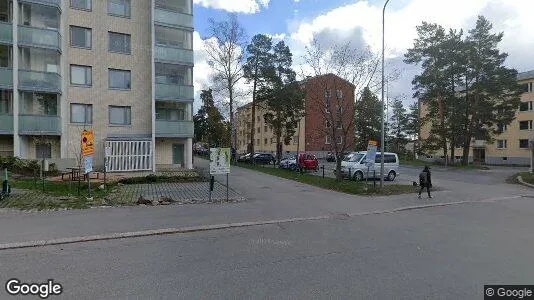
x=382, y=141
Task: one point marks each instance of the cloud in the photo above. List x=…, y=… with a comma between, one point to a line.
x=237, y=6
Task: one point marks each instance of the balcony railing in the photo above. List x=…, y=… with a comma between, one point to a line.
x=55, y=3
x=174, y=92
x=173, y=18
x=39, y=124
x=6, y=124
x=6, y=78
x=39, y=37
x=6, y=33
x=39, y=81
x=174, y=128
x=174, y=55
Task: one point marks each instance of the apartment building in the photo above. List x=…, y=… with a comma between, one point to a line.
x=511, y=147
x=311, y=136
x=122, y=68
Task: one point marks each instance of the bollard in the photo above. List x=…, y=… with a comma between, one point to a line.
x=323, y=170
x=374, y=176
x=350, y=175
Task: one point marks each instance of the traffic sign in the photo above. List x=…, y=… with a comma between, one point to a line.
x=88, y=164
x=88, y=143
x=371, y=153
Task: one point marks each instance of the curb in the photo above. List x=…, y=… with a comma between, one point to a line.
x=200, y=228
x=524, y=183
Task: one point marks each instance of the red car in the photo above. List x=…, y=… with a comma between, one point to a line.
x=308, y=162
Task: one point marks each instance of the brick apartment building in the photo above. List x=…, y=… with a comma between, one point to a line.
x=329, y=112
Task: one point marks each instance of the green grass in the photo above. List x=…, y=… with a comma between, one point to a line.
x=526, y=176
x=344, y=186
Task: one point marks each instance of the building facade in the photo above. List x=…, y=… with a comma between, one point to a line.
x=312, y=133
x=122, y=68
x=511, y=147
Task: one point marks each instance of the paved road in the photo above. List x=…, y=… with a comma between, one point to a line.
x=434, y=253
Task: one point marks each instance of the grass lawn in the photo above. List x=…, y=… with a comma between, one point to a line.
x=526, y=176
x=345, y=186
x=56, y=195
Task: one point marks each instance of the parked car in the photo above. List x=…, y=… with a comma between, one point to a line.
x=308, y=162
x=244, y=158
x=331, y=156
x=289, y=162
x=264, y=158
x=354, y=166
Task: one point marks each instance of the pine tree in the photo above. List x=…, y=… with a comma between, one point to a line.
x=398, y=126
x=367, y=120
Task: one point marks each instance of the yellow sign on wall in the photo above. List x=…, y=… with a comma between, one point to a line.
x=88, y=143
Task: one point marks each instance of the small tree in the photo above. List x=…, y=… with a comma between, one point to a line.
x=398, y=125
x=413, y=127
x=367, y=119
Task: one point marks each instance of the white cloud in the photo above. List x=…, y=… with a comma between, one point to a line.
x=237, y=6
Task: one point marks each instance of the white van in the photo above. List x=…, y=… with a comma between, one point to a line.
x=354, y=167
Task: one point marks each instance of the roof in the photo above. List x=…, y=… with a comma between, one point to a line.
x=525, y=75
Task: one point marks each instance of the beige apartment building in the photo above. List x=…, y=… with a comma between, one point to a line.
x=123, y=68
x=509, y=148
x=265, y=139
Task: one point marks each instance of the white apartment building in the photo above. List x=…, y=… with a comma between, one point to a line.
x=123, y=68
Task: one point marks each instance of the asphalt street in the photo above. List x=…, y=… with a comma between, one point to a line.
x=433, y=253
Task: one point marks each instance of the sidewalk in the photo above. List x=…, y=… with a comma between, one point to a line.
x=267, y=198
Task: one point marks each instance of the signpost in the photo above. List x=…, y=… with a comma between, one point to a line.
x=219, y=165
x=88, y=150
x=371, y=156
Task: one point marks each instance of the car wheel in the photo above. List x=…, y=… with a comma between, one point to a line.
x=391, y=176
x=358, y=176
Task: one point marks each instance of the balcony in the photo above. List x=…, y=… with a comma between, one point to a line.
x=167, y=54
x=54, y=3
x=167, y=17
x=174, y=92
x=36, y=81
x=6, y=124
x=39, y=125
x=6, y=33
x=39, y=37
x=6, y=78
x=178, y=129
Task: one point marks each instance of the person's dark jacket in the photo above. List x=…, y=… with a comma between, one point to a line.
x=428, y=178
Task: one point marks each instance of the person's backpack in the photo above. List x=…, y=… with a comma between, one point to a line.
x=423, y=177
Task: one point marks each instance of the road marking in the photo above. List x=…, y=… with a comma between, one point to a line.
x=200, y=228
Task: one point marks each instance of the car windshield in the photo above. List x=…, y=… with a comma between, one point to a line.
x=354, y=157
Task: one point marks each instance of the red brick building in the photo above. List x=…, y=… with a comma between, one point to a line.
x=329, y=115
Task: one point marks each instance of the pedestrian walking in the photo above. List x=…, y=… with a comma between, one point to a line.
x=425, y=181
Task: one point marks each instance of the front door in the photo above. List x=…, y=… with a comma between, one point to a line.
x=177, y=154
x=479, y=155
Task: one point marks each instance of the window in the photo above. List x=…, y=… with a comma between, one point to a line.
x=174, y=74
x=378, y=158
x=391, y=159
x=327, y=124
x=502, y=144
x=6, y=102
x=81, y=4
x=295, y=139
x=340, y=140
x=43, y=151
x=265, y=128
x=526, y=87
x=339, y=125
x=177, y=6
x=119, y=79
x=502, y=128
x=175, y=37
x=80, y=75
x=505, y=158
x=258, y=118
x=525, y=125
x=340, y=109
x=81, y=113
x=258, y=142
x=119, y=43
x=339, y=94
x=120, y=115
x=327, y=140
x=523, y=144
x=119, y=8
x=80, y=37
x=272, y=141
x=327, y=93
x=525, y=106
x=327, y=105
x=265, y=141
x=258, y=130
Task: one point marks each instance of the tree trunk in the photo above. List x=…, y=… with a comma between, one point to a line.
x=453, y=146
x=338, y=167
x=467, y=135
x=253, y=123
x=278, y=138
x=233, y=135
x=443, y=131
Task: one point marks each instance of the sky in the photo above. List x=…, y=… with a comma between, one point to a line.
x=298, y=21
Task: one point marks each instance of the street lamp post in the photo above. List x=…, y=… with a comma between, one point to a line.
x=382, y=140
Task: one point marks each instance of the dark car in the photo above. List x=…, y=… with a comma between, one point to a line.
x=264, y=158
x=331, y=156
